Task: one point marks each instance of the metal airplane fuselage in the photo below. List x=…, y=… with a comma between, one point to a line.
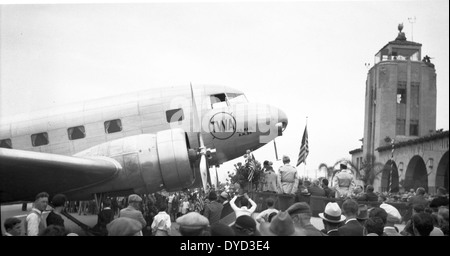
x=230, y=128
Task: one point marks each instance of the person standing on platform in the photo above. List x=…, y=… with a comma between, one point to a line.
x=287, y=177
x=330, y=193
x=35, y=223
x=343, y=182
x=270, y=178
x=315, y=189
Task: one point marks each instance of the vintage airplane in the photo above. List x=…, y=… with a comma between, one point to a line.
x=136, y=143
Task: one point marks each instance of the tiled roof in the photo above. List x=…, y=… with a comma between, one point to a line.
x=427, y=138
x=355, y=151
x=401, y=42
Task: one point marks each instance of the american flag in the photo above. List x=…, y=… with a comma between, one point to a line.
x=304, y=149
x=251, y=167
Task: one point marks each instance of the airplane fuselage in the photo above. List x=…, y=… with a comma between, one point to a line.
x=113, y=127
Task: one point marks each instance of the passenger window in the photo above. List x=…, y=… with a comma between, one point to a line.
x=113, y=126
x=174, y=115
x=76, y=133
x=39, y=139
x=6, y=143
x=218, y=100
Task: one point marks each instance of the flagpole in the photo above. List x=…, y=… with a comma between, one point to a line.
x=304, y=168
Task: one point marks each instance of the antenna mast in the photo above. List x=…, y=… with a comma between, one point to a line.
x=412, y=21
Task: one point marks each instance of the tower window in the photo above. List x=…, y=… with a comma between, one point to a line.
x=401, y=96
x=174, y=115
x=39, y=139
x=76, y=133
x=414, y=128
x=113, y=126
x=400, y=127
x=6, y=143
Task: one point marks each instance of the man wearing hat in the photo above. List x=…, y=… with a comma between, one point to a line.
x=270, y=178
x=245, y=226
x=363, y=214
x=281, y=225
x=124, y=226
x=223, y=197
x=393, y=217
x=287, y=177
x=54, y=217
x=332, y=218
x=343, y=182
x=192, y=224
x=132, y=211
x=301, y=215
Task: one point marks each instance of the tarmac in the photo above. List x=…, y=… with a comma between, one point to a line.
x=90, y=220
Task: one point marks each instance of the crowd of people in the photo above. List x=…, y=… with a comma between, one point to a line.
x=200, y=213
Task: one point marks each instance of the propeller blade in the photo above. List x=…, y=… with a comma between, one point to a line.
x=204, y=172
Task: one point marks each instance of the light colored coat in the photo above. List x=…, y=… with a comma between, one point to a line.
x=132, y=213
x=288, y=179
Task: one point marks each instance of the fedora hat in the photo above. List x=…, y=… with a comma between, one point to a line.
x=362, y=212
x=332, y=213
x=281, y=225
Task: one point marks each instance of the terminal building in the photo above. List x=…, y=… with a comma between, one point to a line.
x=401, y=146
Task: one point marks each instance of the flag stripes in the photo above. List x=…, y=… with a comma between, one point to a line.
x=252, y=167
x=304, y=148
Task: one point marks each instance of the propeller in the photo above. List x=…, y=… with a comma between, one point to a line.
x=202, y=149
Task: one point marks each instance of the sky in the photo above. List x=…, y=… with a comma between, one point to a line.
x=306, y=57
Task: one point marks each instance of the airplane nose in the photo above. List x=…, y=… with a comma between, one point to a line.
x=282, y=118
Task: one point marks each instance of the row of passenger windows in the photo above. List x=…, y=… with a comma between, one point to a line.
x=79, y=132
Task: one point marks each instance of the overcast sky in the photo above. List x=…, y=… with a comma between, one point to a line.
x=305, y=57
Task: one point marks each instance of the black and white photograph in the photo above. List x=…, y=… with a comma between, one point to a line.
x=224, y=118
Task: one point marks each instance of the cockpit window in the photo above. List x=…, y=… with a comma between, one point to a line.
x=218, y=100
x=234, y=98
x=223, y=100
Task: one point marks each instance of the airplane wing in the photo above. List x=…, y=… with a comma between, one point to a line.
x=24, y=174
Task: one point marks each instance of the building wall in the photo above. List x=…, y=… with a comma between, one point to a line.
x=402, y=157
x=381, y=107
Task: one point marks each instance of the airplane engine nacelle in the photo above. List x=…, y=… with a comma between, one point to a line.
x=149, y=163
x=174, y=161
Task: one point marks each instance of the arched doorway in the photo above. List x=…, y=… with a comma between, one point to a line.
x=416, y=174
x=442, y=172
x=388, y=176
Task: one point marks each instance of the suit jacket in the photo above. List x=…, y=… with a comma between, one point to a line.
x=132, y=213
x=105, y=216
x=418, y=200
x=368, y=196
x=329, y=192
x=213, y=211
x=351, y=228
x=333, y=233
x=316, y=191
